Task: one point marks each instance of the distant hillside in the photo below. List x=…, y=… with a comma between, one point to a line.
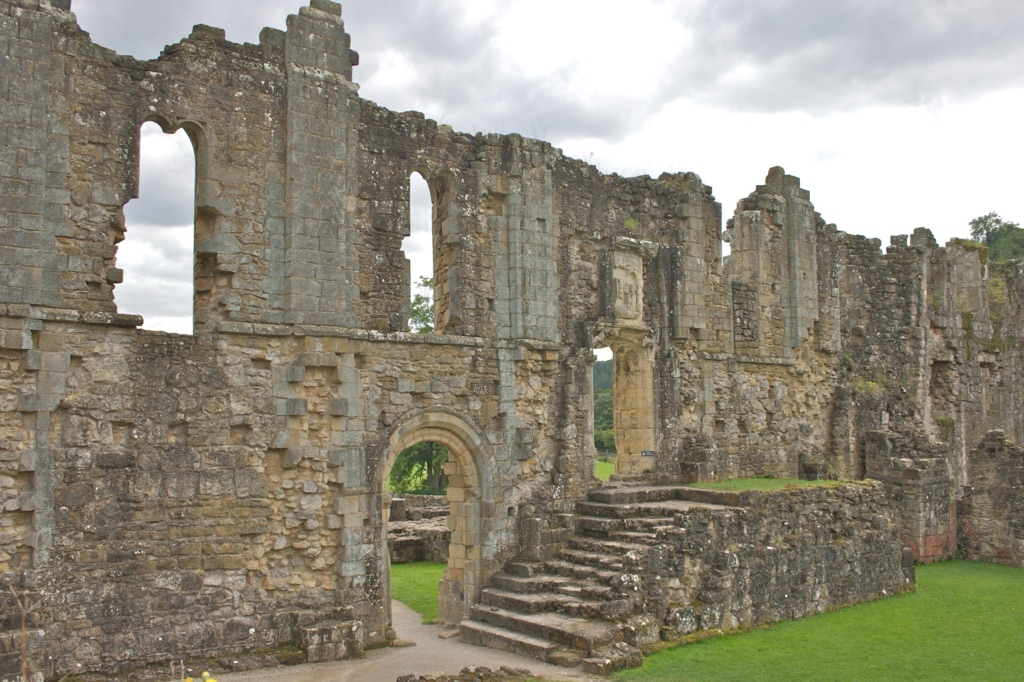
x=602, y=374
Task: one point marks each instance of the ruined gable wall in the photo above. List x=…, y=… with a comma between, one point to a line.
x=768, y=389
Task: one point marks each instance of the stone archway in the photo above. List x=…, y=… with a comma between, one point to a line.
x=468, y=486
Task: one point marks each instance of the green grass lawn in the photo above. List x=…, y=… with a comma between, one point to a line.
x=604, y=467
x=765, y=484
x=415, y=585
x=964, y=622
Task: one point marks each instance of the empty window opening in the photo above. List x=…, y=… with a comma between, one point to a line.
x=419, y=250
x=156, y=254
x=604, y=414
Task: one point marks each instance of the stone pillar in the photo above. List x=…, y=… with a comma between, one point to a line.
x=320, y=257
x=774, y=260
x=34, y=164
x=633, y=403
x=528, y=252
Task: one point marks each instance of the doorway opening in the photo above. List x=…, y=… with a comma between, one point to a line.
x=418, y=535
x=460, y=446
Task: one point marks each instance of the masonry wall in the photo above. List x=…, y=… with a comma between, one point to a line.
x=990, y=523
x=783, y=555
x=223, y=491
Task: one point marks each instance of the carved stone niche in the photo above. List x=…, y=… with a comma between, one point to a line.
x=626, y=281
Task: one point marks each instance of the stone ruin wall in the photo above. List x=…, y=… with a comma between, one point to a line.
x=164, y=494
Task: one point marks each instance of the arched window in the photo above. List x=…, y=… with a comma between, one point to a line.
x=157, y=253
x=419, y=250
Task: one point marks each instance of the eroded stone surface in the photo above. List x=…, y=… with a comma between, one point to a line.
x=163, y=496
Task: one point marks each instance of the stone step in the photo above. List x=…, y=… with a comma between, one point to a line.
x=596, y=602
x=609, y=562
x=648, y=538
x=610, y=546
x=524, y=569
x=633, y=494
x=525, y=602
x=484, y=634
x=581, y=571
x=605, y=510
x=529, y=585
x=586, y=589
x=578, y=633
x=598, y=525
x=717, y=498
x=643, y=520
x=666, y=509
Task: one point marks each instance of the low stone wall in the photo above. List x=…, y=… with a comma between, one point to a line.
x=418, y=529
x=416, y=507
x=423, y=540
x=776, y=556
x=991, y=512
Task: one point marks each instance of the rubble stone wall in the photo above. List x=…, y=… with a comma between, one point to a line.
x=785, y=555
x=991, y=528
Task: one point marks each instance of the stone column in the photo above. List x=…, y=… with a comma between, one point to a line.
x=319, y=254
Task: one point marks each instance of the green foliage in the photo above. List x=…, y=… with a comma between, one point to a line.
x=631, y=224
x=964, y=622
x=419, y=469
x=947, y=428
x=421, y=307
x=858, y=385
x=604, y=468
x=766, y=484
x=602, y=375
x=996, y=288
x=604, y=440
x=877, y=383
x=1004, y=239
x=604, y=425
x=416, y=585
x=604, y=413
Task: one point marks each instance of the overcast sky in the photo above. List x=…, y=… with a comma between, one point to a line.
x=894, y=114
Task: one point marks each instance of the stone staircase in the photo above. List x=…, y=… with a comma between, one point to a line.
x=581, y=608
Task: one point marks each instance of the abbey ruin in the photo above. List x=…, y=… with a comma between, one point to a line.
x=167, y=496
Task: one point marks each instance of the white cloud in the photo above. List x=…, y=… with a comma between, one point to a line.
x=156, y=254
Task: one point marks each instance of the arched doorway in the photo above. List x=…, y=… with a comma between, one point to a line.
x=468, y=482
